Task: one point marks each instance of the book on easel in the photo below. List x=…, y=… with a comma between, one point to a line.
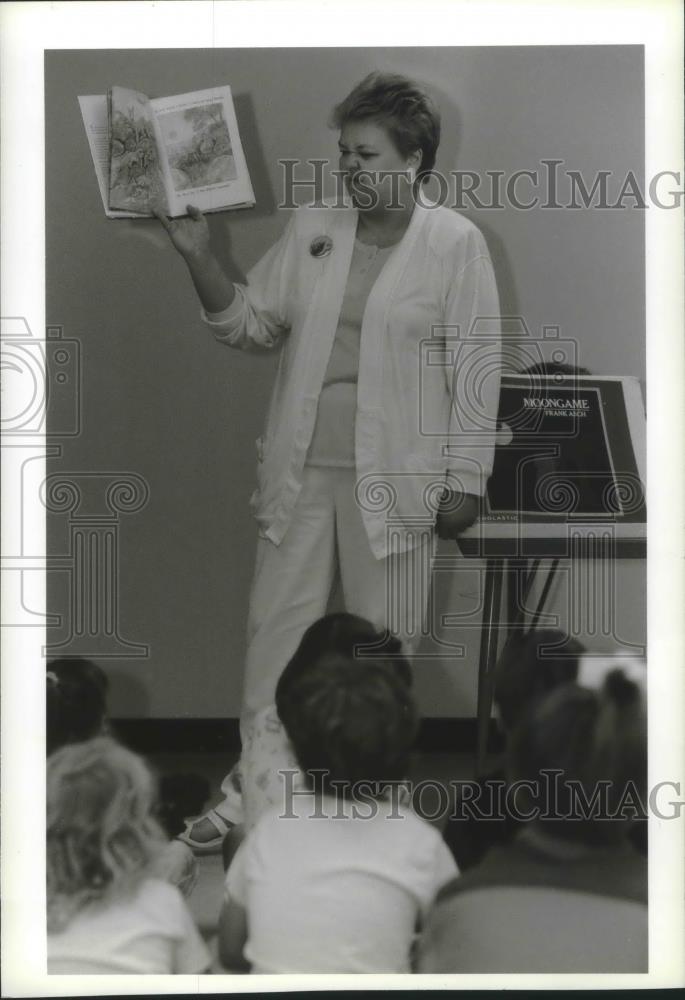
x=170, y=151
x=569, y=448
x=569, y=464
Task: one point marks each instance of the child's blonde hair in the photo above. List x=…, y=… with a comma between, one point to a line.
x=101, y=834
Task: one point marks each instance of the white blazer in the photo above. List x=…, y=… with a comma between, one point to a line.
x=429, y=365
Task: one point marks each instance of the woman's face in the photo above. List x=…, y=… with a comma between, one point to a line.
x=375, y=172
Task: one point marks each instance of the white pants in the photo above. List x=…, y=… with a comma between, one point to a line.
x=326, y=540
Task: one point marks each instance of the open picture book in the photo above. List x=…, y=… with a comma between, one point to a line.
x=170, y=152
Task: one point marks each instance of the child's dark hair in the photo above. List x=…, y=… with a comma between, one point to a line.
x=345, y=701
x=76, y=701
x=350, y=636
x=554, y=368
x=354, y=722
x=531, y=665
x=596, y=740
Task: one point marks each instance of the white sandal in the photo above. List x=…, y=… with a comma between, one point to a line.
x=212, y=846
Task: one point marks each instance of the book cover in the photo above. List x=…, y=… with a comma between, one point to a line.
x=568, y=447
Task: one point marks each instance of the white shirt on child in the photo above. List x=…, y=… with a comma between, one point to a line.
x=149, y=932
x=337, y=892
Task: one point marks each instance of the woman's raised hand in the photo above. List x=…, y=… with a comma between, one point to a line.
x=189, y=234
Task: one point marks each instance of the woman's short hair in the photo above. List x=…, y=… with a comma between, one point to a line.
x=405, y=110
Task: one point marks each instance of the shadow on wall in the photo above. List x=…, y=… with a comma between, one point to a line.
x=254, y=155
x=266, y=203
x=449, y=159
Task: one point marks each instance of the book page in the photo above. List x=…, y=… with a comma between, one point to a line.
x=135, y=176
x=94, y=114
x=201, y=153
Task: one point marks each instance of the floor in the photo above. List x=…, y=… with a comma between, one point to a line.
x=432, y=773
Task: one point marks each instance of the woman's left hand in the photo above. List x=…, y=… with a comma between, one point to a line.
x=457, y=512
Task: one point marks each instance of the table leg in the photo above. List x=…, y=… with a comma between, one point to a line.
x=516, y=575
x=552, y=572
x=492, y=597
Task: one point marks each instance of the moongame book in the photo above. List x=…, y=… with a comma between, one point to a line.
x=170, y=151
x=569, y=448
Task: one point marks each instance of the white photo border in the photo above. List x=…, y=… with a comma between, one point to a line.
x=27, y=31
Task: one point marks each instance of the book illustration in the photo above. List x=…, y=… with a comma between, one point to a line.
x=135, y=172
x=94, y=112
x=169, y=151
x=198, y=146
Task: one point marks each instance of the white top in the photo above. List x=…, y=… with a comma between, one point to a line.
x=150, y=932
x=429, y=365
x=337, y=893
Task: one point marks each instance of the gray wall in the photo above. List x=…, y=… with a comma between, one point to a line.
x=161, y=399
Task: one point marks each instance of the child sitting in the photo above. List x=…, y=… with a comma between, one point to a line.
x=569, y=893
x=76, y=710
x=107, y=912
x=336, y=877
x=267, y=750
x=531, y=665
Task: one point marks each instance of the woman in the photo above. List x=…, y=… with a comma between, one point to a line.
x=362, y=413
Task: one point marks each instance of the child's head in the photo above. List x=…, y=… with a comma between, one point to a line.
x=349, y=635
x=345, y=701
x=76, y=702
x=354, y=722
x=531, y=665
x=101, y=834
x=553, y=368
x=596, y=739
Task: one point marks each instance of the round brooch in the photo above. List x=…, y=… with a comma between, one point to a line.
x=321, y=246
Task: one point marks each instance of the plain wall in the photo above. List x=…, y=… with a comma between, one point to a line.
x=161, y=399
